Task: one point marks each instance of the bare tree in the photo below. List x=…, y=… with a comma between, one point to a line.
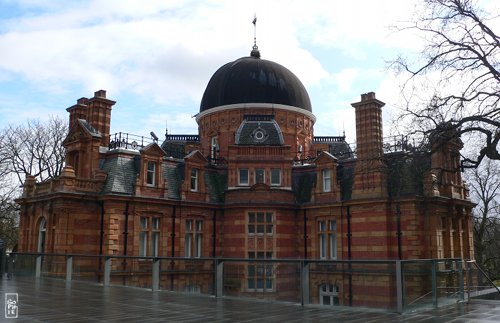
x=9, y=219
x=34, y=149
x=456, y=78
x=484, y=183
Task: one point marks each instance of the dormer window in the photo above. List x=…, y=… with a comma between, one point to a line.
x=194, y=180
x=151, y=174
x=326, y=180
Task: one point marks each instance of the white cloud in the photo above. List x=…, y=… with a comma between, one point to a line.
x=165, y=51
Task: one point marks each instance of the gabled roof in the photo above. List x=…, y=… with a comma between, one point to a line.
x=195, y=156
x=153, y=149
x=325, y=157
x=81, y=129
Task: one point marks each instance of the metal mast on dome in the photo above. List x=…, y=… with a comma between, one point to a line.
x=255, y=50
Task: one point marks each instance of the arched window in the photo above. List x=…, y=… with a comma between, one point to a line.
x=42, y=230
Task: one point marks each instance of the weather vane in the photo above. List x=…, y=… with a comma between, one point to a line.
x=255, y=50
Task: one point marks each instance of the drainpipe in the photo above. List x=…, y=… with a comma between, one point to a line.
x=101, y=238
x=214, y=234
x=125, y=236
x=173, y=247
x=399, y=233
x=305, y=234
x=349, y=254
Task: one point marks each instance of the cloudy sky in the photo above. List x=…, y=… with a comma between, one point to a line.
x=156, y=57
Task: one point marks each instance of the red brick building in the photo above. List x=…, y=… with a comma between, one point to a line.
x=253, y=183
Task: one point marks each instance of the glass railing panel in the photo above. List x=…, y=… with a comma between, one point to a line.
x=88, y=268
x=418, y=285
x=478, y=284
x=53, y=266
x=448, y=285
x=263, y=279
x=193, y=276
x=358, y=283
x=21, y=265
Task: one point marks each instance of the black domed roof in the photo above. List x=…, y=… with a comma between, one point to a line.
x=254, y=80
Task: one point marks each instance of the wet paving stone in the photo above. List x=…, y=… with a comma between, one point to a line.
x=52, y=300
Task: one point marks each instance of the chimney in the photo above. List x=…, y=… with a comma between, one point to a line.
x=99, y=114
x=77, y=111
x=370, y=174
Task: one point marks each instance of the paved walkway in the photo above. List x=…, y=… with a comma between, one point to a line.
x=51, y=300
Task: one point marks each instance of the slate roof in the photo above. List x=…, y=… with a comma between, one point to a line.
x=259, y=133
x=216, y=182
x=341, y=150
x=122, y=172
x=93, y=132
x=173, y=175
x=303, y=182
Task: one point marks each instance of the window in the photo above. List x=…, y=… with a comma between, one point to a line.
x=193, y=289
x=194, y=180
x=155, y=237
x=42, y=229
x=214, y=149
x=243, y=177
x=260, y=276
x=149, y=229
x=327, y=239
x=151, y=172
x=259, y=176
x=328, y=294
x=260, y=223
x=143, y=236
x=193, y=239
x=326, y=180
x=275, y=177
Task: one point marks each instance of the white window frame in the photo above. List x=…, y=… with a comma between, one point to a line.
x=330, y=291
x=193, y=242
x=260, y=272
x=275, y=171
x=143, y=236
x=327, y=239
x=194, y=179
x=243, y=183
x=150, y=181
x=327, y=180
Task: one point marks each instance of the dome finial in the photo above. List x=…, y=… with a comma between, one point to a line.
x=255, y=50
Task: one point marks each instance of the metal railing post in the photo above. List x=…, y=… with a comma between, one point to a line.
x=155, y=271
x=434, y=284
x=69, y=268
x=107, y=271
x=469, y=278
x=458, y=264
x=399, y=286
x=219, y=278
x=38, y=266
x=304, y=282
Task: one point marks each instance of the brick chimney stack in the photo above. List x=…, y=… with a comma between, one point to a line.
x=77, y=111
x=370, y=174
x=99, y=114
